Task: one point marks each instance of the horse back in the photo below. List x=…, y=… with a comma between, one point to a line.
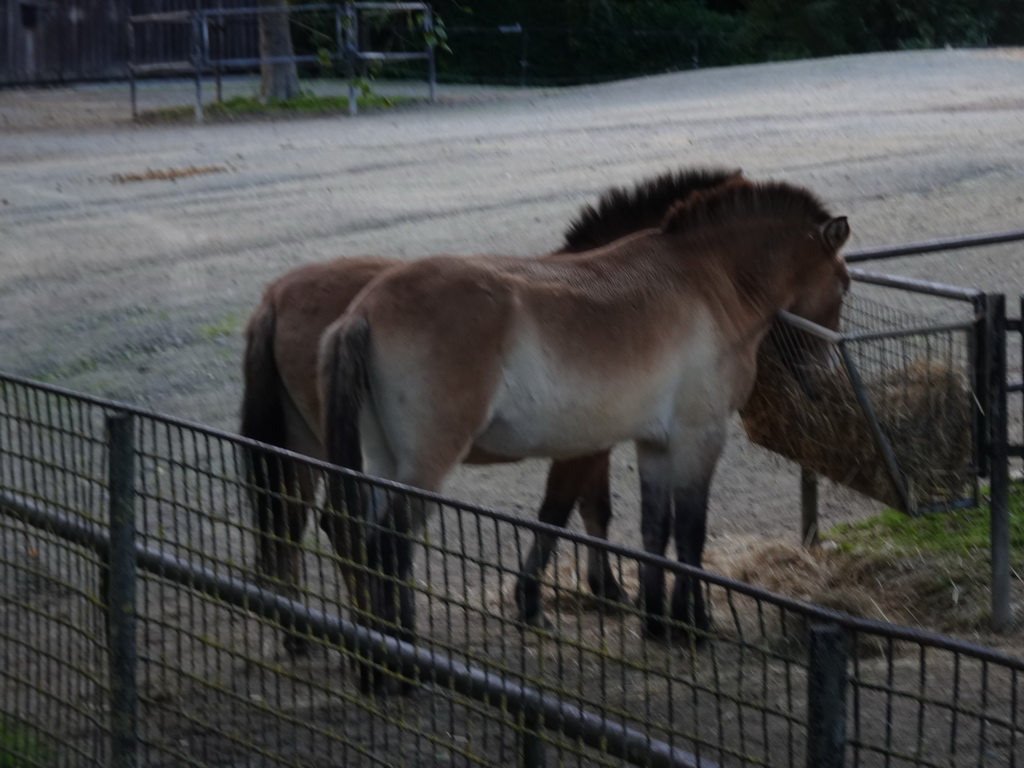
x=304, y=302
x=262, y=413
x=438, y=330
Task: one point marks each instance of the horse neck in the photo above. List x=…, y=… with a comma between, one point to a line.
x=761, y=259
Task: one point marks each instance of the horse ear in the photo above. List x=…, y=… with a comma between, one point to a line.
x=835, y=232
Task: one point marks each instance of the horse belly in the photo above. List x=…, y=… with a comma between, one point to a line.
x=547, y=405
x=547, y=412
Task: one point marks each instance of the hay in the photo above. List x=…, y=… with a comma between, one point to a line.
x=924, y=409
x=167, y=174
x=931, y=591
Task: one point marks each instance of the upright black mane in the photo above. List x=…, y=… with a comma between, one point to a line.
x=768, y=198
x=621, y=211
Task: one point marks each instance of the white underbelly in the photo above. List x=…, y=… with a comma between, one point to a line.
x=557, y=427
x=546, y=407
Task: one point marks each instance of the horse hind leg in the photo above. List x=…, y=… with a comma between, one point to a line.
x=380, y=536
x=282, y=492
x=388, y=591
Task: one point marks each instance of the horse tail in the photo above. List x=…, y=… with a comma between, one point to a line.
x=263, y=419
x=262, y=409
x=344, y=382
x=344, y=378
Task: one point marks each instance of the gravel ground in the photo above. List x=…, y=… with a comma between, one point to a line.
x=138, y=290
x=130, y=258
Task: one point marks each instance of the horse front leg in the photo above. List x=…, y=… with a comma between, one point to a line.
x=281, y=493
x=655, y=524
x=695, y=455
x=691, y=505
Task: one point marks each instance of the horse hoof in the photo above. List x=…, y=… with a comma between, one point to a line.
x=536, y=621
x=408, y=687
x=297, y=647
x=612, y=592
x=690, y=637
x=685, y=632
x=655, y=629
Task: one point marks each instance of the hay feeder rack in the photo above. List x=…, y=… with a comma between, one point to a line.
x=906, y=403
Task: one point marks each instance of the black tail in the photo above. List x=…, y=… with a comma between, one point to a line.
x=263, y=419
x=344, y=378
x=344, y=381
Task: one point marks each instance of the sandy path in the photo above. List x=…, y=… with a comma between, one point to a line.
x=139, y=290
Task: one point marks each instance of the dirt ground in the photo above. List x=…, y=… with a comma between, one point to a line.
x=130, y=257
x=121, y=279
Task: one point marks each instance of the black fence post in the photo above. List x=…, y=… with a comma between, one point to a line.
x=120, y=592
x=826, y=696
x=531, y=744
x=999, y=503
x=524, y=61
x=981, y=360
x=131, y=69
x=351, y=27
x=197, y=61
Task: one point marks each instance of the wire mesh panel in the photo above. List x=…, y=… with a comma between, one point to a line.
x=885, y=407
x=239, y=665
x=53, y=674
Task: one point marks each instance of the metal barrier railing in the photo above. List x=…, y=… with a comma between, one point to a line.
x=207, y=57
x=991, y=386
x=764, y=687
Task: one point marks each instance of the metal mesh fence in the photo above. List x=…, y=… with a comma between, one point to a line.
x=215, y=686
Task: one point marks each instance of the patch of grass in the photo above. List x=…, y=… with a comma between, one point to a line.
x=959, y=533
x=20, y=749
x=219, y=329
x=241, y=107
x=75, y=368
x=931, y=571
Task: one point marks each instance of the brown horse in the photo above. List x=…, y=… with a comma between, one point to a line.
x=652, y=339
x=281, y=404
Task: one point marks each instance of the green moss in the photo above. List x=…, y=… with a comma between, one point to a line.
x=240, y=107
x=19, y=748
x=219, y=329
x=962, y=532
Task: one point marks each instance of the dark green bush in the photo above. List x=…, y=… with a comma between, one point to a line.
x=572, y=41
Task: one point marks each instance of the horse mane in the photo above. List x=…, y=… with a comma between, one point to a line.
x=770, y=198
x=620, y=211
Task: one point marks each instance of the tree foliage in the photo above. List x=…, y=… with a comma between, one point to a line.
x=586, y=40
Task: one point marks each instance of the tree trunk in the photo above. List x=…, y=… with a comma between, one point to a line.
x=280, y=79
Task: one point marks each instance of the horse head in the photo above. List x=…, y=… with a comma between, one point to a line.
x=821, y=275
x=823, y=282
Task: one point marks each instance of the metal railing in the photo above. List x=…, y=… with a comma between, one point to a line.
x=207, y=53
x=210, y=684
x=990, y=386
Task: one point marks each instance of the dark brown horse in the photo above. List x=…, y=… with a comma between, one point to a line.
x=281, y=404
x=653, y=339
